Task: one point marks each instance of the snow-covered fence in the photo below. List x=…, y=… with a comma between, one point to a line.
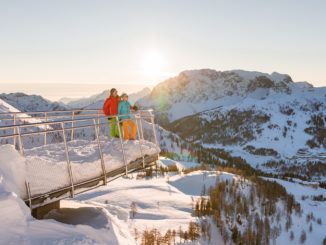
x=69, y=152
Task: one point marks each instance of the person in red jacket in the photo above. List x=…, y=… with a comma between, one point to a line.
x=110, y=108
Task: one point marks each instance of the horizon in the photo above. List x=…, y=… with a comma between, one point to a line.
x=84, y=90
x=133, y=42
x=70, y=91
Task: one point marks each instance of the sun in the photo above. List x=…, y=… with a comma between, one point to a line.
x=153, y=64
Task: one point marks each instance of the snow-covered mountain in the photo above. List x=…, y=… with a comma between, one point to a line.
x=198, y=90
x=25, y=103
x=260, y=117
x=96, y=101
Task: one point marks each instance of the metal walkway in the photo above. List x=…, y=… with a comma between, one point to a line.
x=29, y=130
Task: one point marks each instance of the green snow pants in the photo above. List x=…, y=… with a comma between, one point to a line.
x=114, y=128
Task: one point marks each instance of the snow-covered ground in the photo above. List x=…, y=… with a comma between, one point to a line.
x=304, y=193
x=180, y=164
x=46, y=166
x=103, y=215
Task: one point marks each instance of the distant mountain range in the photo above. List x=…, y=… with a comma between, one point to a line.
x=24, y=102
x=28, y=103
x=264, y=118
x=97, y=100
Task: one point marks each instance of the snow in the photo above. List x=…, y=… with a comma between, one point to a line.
x=101, y=216
x=318, y=208
x=12, y=170
x=159, y=203
x=181, y=165
x=7, y=108
x=199, y=179
x=32, y=103
x=46, y=166
x=201, y=94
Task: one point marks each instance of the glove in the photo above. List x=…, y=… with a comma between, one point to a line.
x=135, y=108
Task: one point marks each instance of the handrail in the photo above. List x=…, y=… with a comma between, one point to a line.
x=65, y=121
x=72, y=115
x=92, y=121
x=40, y=112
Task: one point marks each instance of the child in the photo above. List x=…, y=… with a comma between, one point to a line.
x=124, y=108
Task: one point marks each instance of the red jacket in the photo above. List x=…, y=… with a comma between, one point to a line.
x=110, y=106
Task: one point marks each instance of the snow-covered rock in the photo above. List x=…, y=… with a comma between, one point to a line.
x=304, y=84
x=198, y=90
x=257, y=116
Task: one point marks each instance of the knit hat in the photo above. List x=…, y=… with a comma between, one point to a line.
x=123, y=96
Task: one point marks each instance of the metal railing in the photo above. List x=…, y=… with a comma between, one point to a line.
x=56, y=121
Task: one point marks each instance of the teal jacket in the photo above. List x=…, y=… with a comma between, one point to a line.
x=124, y=108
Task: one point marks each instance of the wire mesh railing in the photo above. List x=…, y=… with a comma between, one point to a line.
x=53, y=144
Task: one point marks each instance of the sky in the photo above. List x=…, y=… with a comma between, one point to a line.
x=59, y=45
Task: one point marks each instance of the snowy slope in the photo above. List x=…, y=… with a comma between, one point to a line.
x=257, y=116
x=103, y=215
x=47, y=165
x=29, y=103
x=198, y=90
x=17, y=226
x=7, y=108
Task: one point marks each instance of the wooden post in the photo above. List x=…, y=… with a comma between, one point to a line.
x=29, y=195
x=154, y=131
x=20, y=141
x=45, y=126
x=137, y=116
x=122, y=147
x=72, y=125
x=68, y=160
x=15, y=130
x=100, y=151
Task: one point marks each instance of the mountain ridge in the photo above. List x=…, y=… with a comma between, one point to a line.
x=260, y=117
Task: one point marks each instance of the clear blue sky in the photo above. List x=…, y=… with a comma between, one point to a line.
x=79, y=41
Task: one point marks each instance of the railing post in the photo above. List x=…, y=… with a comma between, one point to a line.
x=72, y=125
x=121, y=141
x=45, y=126
x=15, y=130
x=154, y=132
x=141, y=129
x=29, y=194
x=20, y=141
x=100, y=151
x=139, y=139
x=98, y=121
x=68, y=160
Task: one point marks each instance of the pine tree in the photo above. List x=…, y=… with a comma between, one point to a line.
x=180, y=233
x=193, y=231
x=303, y=236
x=133, y=209
x=324, y=241
x=291, y=235
x=235, y=234
x=174, y=233
x=136, y=233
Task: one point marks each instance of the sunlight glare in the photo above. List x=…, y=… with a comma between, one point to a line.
x=153, y=64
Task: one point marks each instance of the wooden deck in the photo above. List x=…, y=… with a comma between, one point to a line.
x=65, y=192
